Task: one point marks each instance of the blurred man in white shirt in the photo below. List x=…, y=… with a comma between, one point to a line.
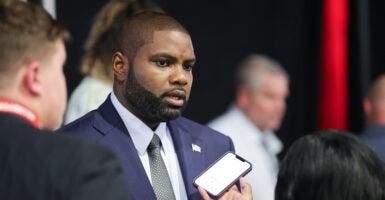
x=260, y=104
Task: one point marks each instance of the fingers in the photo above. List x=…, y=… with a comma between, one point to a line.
x=244, y=184
x=229, y=194
x=203, y=193
x=246, y=189
x=233, y=188
x=232, y=193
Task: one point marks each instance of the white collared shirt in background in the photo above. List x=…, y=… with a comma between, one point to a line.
x=255, y=146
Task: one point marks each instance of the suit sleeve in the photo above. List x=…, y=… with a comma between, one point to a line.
x=99, y=176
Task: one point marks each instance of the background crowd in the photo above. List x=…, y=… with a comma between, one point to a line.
x=135, y=74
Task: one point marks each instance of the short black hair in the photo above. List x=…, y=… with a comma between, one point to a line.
x=330, y=165
x=138, y=30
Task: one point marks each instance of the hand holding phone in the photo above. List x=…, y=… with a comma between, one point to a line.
x=233, y=193
x=222, y=174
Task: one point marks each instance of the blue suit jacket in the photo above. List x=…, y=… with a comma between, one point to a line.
x=106, y=126
x=374, y=136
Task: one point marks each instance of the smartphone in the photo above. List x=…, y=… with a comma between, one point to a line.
x=222, y=174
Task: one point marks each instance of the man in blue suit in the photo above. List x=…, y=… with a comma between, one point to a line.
x=152, y=83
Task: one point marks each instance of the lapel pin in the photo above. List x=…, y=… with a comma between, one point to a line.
x=196, y=148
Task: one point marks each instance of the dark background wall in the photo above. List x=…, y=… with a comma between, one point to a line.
x=225, y=31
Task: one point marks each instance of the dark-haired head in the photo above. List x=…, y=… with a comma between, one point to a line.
x=330, y=165
x=139, y=29
x=154, y=63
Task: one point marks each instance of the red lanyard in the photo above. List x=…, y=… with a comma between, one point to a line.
x=8, y=106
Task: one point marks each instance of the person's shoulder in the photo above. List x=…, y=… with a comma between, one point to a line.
x=83, y=122
x=187, y=123
x=53, y=146
x=224, y=120
x=71, y=147
x=96, y=123
x=373, y=133
x=61, y=138
x=197, y=128
x=199, y=132
x=82, y=145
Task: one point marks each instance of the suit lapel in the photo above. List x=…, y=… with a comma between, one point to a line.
x=190, y=152
x=108, y=122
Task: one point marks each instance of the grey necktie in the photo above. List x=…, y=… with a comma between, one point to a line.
x=159, y=176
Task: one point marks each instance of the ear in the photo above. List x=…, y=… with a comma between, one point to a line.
x=368, y=107
x=120, y=66
x=242, y=97
x=31, y=78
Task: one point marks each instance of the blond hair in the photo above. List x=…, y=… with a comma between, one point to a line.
x=27, y=33
x=101, y=43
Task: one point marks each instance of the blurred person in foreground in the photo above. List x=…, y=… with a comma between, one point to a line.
x=36, y=163
x=374, y=109
x=96, y=65
x=330, y=165
x=142, y=115
x=262, y=88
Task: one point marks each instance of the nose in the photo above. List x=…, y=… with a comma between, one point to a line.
x=179, y=75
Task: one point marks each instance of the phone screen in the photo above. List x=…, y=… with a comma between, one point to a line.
x=223, y=173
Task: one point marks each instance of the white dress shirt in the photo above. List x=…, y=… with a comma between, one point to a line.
x=253, y=145
x=141, y=136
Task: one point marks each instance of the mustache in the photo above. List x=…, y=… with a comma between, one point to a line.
x=176, y=92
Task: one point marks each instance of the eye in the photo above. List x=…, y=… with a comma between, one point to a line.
x=188, y=67
x=162, y=63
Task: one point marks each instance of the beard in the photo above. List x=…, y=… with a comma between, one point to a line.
x=148, y=104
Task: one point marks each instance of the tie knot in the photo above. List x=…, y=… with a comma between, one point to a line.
x=155, y=143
